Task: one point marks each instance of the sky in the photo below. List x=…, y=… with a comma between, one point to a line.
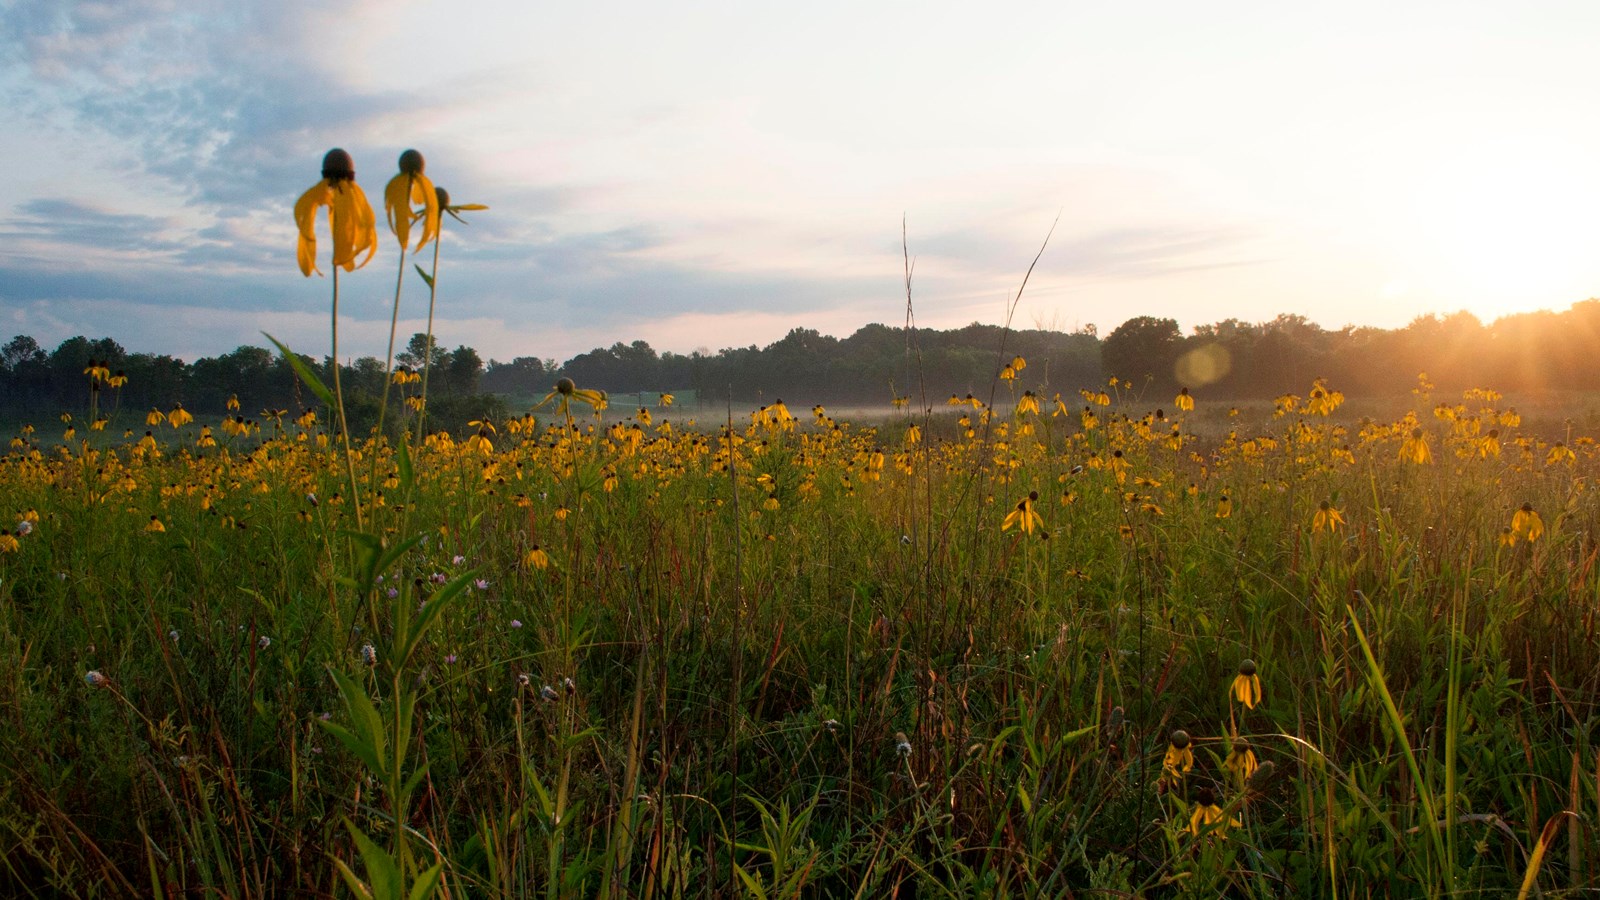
x=701, y=175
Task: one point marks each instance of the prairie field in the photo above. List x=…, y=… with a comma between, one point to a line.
x=1022, y=645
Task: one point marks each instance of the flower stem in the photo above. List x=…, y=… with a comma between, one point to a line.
x=427, y=364
x=338, y=401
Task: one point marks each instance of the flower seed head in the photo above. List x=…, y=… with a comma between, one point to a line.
x=565, y=386
x=1205, y=797
x=1180, y=738
x=443, y=195
x=1247, y=667
x=338, y=165
x=93, y=678
x=412, y=163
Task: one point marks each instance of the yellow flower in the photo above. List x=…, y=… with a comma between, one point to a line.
x=1024, y=515
x=1184, y=402
x=179, y=416
x=1224, y=507
x=408, y=187
x=1560, y=453
x=1525, y=523
x=1326, y=517
x=1247, y=684
x=1415, y=449
x=350, y=216
x=537, y=558
x=1180, y=755
x=1241, y=761
x=155, y=526
x=1207, y=814
x=666, y=399
x=1028, y=403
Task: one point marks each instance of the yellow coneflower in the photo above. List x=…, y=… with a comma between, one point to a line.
x=1415, y=449
x=1525, y=523
x=1024, y=515
x=1326, y=517
x=1560, y=453
x=408, y=187
x=537, y=558
x=1241, y=761
x=666, y=399
x=233, y=403
x=1180, y=755
x=1224, y=507
x=1184, y=401
x=1207, y=815
x=155, y=417
x=179, y=416
x=350, y=216
x=1246, y=686
x=155, y=526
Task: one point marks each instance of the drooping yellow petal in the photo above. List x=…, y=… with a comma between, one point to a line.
x=353, y=225
x=305, y=217
x=422, y=192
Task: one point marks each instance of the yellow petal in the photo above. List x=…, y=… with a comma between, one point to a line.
x=305, y=218
x=397, y=207
x=422, y=192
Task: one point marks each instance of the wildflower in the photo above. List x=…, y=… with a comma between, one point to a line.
x=155, y=526
x=369, y=655
x=516, y=623
x=1525, y=523
x=1241, y=761
x=408, y=187
x=1184, y=401
x=179, y=416
x=568, y=685
x=1024, y=515
x=831, y=724
x=1560, y=453
x=263, y=642
x=154, y=417
x=1224, y=507
x=173, y=635
x=95, y=679
x=524, y=680
x=1180, y=755
x=1326, y=517
x=350, y=216
x=902, y=744
x=1415, y=449
x=537, y=558
x=9, y=542
x=481, y=584
x=1247, y=684
x=1207, y=814
x=548, y=694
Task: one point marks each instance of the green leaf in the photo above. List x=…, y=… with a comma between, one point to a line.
x=354, y=744
x=303, y=371
x=383, y=873
x=367, y=725
x=427, y=883
x=425, y=276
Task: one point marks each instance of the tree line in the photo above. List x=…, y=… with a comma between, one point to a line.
x=1230, y=359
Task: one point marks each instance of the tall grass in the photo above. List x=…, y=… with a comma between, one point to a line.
x=766, y=661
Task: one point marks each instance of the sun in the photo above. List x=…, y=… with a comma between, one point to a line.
x=1508, y=225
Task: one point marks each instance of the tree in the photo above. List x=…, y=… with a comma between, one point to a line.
x=1143, y=350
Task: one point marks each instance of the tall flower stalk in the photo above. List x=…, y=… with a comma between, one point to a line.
x=409, y=187
x=354, y=230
